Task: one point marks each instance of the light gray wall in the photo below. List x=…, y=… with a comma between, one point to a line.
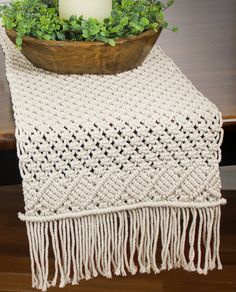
x=228, y=177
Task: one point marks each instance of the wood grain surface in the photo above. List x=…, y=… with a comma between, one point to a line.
x=81, y=57
x=15, y=265
x=204, y=48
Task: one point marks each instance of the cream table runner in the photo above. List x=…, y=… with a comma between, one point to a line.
x=120, y=173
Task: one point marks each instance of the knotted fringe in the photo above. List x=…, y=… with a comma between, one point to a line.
x=140, y=240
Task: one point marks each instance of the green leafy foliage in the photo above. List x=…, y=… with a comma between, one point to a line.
x=40, y=19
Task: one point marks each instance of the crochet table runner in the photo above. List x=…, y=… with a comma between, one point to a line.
x=120, y=173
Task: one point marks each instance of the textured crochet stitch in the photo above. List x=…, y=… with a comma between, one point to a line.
x=115, y=169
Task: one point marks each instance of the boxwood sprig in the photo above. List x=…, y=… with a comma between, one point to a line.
x=40, y=19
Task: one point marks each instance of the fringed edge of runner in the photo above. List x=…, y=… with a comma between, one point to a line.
x=130, y=241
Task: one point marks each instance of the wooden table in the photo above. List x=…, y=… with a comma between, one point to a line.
x=204, y=48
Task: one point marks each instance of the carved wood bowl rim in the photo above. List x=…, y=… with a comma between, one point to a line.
x=85, y=43
x=83, y=57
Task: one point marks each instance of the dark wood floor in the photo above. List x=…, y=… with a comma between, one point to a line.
x=14, y=258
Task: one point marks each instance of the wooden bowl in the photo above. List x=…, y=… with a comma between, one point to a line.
x=78, y=57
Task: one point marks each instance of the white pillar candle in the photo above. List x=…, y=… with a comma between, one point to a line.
x=99, y=9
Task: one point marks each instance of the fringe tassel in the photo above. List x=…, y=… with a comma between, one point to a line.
x=144, y=240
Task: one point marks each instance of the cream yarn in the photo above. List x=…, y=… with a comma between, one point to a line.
x=116, y=168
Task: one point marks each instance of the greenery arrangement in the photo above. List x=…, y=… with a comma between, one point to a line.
x=40, y=19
